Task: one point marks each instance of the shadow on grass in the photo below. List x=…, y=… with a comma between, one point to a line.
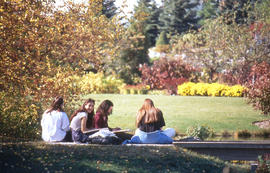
x=41, y=157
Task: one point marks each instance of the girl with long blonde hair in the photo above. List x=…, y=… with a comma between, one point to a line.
x=149, y=123
x=149, y=118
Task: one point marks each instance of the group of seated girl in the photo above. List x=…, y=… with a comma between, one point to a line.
x=56, y=127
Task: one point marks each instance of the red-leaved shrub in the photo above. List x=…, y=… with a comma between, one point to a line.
x=166, y=74
x=238, y=76
x=258, y=93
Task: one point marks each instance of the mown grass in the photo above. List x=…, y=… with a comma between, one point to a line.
x=220, y=113
x=41, y=157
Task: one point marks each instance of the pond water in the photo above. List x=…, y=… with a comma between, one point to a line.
x=235, y=138
x=228, y=138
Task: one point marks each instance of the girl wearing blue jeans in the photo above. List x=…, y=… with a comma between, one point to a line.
x=149, y=123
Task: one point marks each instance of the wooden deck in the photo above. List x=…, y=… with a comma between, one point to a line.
x=229, y=150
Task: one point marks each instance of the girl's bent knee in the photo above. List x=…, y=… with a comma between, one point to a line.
x=169, y=132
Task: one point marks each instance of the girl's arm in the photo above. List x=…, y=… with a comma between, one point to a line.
x=160, y=119
x=83, y=124
x=65, y=122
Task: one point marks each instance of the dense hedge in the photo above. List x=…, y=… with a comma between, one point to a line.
x=99, y=83
x=134, y=89
x=258, y=93
x=214, y=89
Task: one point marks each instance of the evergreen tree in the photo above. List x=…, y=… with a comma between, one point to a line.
x=235, y=11
x=134, y=49
x=109, y=8
x=162, y=44
x=231, y=10
x=179, y=16
x=209, y=11
x=162, y=39
x=151, y=28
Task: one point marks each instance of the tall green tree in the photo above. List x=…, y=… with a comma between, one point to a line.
x=151, y=28
x=109, y=9
x=209, y=10
x=134, y=47
x=178, y=16
x=235, y=11
x=230, y=10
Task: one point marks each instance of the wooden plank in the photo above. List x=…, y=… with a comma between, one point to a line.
x=229, y=150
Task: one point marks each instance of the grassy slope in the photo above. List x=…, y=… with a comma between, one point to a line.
x=41, y=157
x=220, y=113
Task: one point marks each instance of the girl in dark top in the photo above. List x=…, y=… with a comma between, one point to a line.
x=101, y=117
x=103, y=111
x=149, y=118
x=149, y=123
x=101, y=121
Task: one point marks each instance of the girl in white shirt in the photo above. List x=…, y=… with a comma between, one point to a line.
x=82, y=120
x=55, y=122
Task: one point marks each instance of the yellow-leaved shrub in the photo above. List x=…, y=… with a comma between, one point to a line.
x=91, y=83
x=19, y=117
x=134, y=89
x=185, y=89
x=214, y=89
x=99, y=83
x=235, y=91
x=72, y=85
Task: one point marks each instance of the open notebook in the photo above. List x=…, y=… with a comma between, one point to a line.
x=115, y=131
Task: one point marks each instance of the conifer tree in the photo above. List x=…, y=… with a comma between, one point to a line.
x=134, y=48
x=109, y=8
x=235, y=11
x=209, y=10
x=178, y=16
x=151, y=28
x=162, y=39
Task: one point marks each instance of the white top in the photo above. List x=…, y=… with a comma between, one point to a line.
x=54, y=126
x=75, y=123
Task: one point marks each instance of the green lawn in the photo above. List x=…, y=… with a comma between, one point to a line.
x=220, y=113
x=41, y=157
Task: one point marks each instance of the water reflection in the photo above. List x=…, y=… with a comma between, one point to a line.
x=236, y=138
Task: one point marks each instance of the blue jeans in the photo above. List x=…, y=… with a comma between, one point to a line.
x=156, y=137
x=79, y=137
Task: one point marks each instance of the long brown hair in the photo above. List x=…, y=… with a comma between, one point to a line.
x=104, y=107
x=56, y=104
x=148, y=112
x=90, y=116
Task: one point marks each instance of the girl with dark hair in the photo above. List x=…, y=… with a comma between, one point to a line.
x=54, y=122
x=82, y=121
x=103, y=111
x=101, y=123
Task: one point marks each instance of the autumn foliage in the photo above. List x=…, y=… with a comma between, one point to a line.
x=41, y=47
x=166, y=74
x=259, y=87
